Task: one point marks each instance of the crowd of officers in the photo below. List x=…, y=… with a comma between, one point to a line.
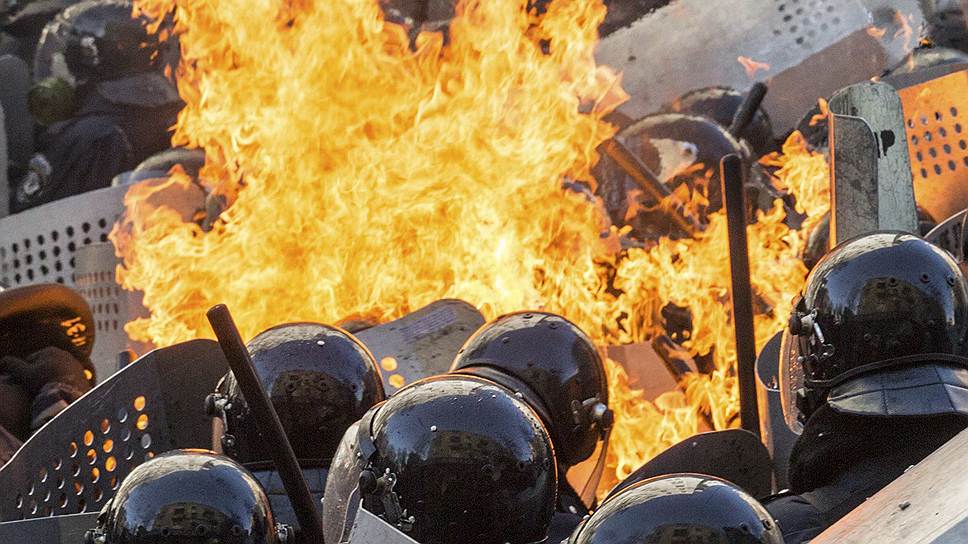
x=485, y=453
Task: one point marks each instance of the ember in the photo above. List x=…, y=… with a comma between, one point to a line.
x=358, y=188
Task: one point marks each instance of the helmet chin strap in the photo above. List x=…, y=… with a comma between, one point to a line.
x=379, y=486
x=600, y=416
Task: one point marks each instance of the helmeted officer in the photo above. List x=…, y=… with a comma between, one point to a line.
x=188, y=497
x=102, y=94
x=692, y=508
x=46, y=339
x=320, y=380
x=447, y=460
x=556, y=368
x=876, y=376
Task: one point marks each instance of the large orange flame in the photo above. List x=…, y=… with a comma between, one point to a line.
x=369, y=176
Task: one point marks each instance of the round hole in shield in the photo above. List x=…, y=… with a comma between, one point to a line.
x=88, y=438
x=62, y=501
x=397, y=381
x=388, y=363
x=142, y=422
x=125, y=434
x=145, y=441
x=75, y=470
x=98, y=494
x=139, y=403
x=81, y=505
x=122, y=415
x=105, y=426
x=91, y=457
x=19, y=501
x=110, y=464
x=95, y=475
x=108, y=446
x=60, y=482
x=42, y=474
x=114, y=482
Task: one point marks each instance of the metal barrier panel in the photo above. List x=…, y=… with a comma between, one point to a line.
x=76, y=462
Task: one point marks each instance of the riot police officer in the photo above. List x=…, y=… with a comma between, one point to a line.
x=448, y=459
x=101, y=92
x=556, y=368
x=188, y=497
x=877, y=376
x=691, y=508
x=46, y=338
x=320, y=379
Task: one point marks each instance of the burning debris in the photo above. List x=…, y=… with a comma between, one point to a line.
x=563, y=169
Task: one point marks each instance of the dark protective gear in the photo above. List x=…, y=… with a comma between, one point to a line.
x=97, y=40
x=839, y=461
x=681, y=148
x=448, y=459
x=39, y=316
x=559, y=370
x=45, y=366
x=320, y=380
x=14, y=408
x=187, y=497
x=690, y=508
x=721, y=104
x=881, y=329
x=25, y=21
x=123, y=106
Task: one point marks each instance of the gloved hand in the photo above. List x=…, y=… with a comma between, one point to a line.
x=49, y=365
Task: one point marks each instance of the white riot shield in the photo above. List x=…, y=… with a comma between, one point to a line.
x=803, y=49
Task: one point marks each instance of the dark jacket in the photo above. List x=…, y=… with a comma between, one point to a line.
x=841, y=460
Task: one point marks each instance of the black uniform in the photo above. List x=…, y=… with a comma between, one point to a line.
x=877, y=376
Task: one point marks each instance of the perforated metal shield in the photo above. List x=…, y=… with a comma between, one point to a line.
x=111, y=306
x=936, y=115
x=950, y=235
x=75, y=462
x=805, y=49
x=421, y=344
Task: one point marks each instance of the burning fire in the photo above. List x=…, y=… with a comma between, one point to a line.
x=369, y=175
x=752, y=66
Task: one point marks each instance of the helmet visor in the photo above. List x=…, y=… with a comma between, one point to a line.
x=585, y=476
x=791, y=380
x=341, y=501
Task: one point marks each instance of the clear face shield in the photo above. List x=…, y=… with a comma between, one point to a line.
x=585, y=476
x=342, y=500
x=791, y=380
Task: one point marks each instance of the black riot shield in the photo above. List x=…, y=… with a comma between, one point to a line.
x=75, y=462
x=19, y=124
x=734, y=455
x=421, y=344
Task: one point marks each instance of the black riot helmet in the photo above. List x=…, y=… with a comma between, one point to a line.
x=692, y=508
x=320, y=380
x=880, y=330
x=447, y=459
x=557, y=369
x=102, y=45
x=96, y=40
x=188, y=497
x=721, y=104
